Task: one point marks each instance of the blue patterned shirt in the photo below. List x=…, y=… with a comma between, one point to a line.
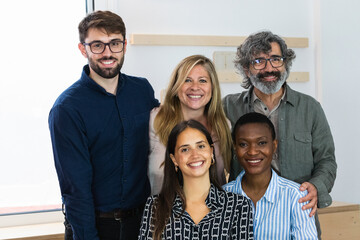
x=230, y=217
x=278, y=214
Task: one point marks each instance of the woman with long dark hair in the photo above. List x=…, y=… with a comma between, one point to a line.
x=191, y=203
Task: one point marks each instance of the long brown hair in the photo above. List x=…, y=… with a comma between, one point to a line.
x=173, y=180
x=170, y=112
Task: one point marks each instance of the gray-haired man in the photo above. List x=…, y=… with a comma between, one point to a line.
x=306, y=148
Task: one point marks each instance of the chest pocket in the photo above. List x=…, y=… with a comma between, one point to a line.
x=303, y=160
x=303, y=137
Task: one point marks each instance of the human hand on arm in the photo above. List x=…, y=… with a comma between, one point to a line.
x=311, y=197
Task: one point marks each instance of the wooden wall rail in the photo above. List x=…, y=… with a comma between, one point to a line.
x=202, y=40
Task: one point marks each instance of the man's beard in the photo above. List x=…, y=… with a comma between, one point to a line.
x=106, y=72
x=269, y=87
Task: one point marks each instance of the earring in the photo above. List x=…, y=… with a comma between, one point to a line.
x=212, y=160
x=176, y=168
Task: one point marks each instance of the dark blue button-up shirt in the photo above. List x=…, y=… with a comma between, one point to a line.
x=100, y=144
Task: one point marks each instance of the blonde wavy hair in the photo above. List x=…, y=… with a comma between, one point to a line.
x=170, y=112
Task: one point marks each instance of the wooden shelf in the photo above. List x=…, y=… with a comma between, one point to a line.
x=202, y=40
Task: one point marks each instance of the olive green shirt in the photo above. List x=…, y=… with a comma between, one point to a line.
x=306, y=146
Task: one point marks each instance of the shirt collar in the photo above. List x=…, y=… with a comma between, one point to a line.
x=254, y=97
x=270, y=191
x=92, y=84
x=214, y=200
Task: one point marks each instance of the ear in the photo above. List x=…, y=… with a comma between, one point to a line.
x=125, y=44
x=82, y=50
x=275, y=144
x=246, y=71
x=173, y=159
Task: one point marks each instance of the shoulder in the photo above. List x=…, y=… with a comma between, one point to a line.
x=291, y=187
x=237, y=198
x=154, y=112
x=300, y=98
x=72, y=99
x=75, y=91
x=235, y=185
x=235, y=97
x=230, y=186
x=150, y=202
x=137, y=81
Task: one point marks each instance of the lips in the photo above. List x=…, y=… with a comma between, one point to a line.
x=196, y=164
x=253, y=162
x=107, y=61
x=269, y=76
x=194, y=96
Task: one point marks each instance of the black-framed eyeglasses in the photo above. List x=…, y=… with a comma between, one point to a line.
x=98, y=47
x=260, y=63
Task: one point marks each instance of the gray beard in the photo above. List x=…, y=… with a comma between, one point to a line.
x=269, y=87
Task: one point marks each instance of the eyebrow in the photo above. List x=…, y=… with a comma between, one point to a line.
x=258, y=138
x=186, y=145
x=274, y=55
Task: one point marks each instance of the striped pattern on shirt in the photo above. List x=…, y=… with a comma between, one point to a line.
x=278, y=214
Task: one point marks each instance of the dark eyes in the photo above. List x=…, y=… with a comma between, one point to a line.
x=201, y=146
x=261, y=143
x=184, y=150
x=242, y=145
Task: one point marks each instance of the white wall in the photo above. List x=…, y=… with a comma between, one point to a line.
x=341, y=83
x=331, y=57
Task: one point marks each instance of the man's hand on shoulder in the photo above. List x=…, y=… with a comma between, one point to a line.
x=311, y=197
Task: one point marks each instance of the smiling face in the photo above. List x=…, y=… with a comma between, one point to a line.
x=268, y=80
x=192, y=154
x=196, y=91
x=106, y=64
x=254, y=148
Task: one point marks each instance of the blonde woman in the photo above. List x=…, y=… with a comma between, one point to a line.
x=193, y=93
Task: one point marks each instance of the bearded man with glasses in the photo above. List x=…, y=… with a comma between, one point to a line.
x=306, y=149
x=100, y=136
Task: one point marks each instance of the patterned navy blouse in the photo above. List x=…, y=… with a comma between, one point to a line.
x=230, y=217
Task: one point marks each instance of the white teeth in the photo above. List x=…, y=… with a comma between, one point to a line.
x=196, y=164
x=107, y=62
x=254, y=161
x=194, y=96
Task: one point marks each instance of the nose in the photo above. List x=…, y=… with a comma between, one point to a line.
x=107, y=50
x=194, y=152
x=252, y=150
x=194, y=85
x=269, y=67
